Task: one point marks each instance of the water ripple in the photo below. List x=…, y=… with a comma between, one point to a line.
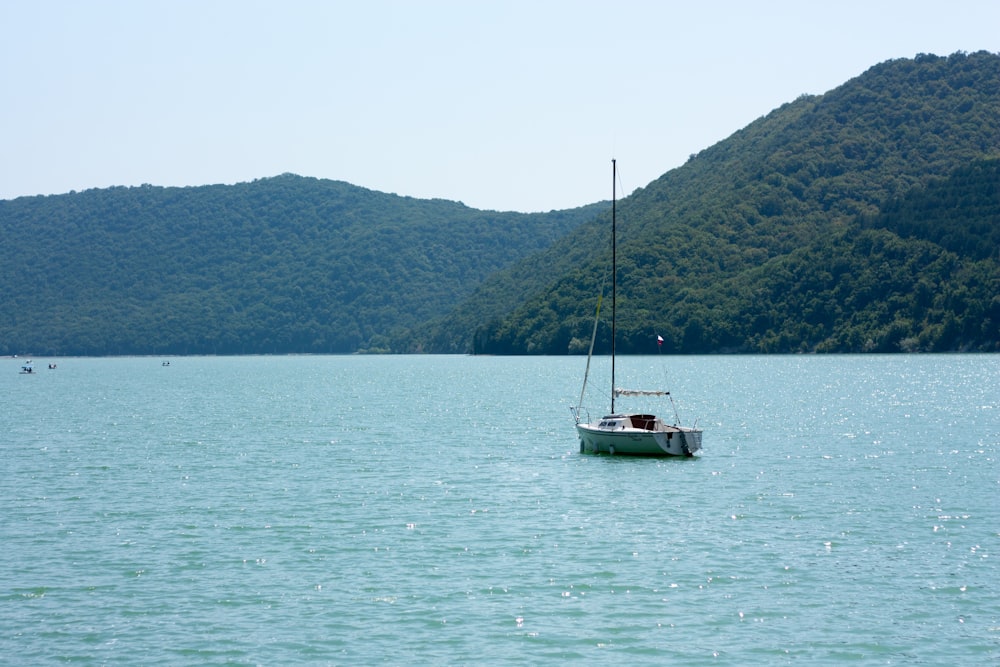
x=345, y=510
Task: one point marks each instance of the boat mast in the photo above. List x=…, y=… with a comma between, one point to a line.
x=614, y=281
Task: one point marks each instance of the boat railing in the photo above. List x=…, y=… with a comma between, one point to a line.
x=577, y=414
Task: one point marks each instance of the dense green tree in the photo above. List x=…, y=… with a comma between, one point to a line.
x=285, y=264
x=864, y=219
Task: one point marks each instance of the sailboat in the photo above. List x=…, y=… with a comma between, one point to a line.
x=635, y=434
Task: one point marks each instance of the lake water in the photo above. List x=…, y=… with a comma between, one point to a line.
x=435, y=510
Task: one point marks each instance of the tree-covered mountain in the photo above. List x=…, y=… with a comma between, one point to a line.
x=864, y=219
x=284, y=264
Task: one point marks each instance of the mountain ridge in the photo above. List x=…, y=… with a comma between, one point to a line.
x=277, y=265
x=834, y=223
x=806, y=173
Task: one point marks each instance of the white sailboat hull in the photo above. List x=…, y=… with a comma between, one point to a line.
x=637, y=435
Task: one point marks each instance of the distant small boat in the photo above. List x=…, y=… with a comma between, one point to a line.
x=635, y=434
x=52, y=367
x=165, y=363
x=27, y=369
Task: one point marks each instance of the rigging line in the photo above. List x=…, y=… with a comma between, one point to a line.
x=593, y=338
x=677, y=416
x=621, y=185
x=622, y=196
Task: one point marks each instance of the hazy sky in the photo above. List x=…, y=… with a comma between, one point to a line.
x=502, y=105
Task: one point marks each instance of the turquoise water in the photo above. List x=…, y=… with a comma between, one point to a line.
x=434, y=510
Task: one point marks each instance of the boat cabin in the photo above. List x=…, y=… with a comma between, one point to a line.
x=620, y=422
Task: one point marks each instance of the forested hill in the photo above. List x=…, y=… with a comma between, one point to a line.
x=279, y=265
x=863, y=219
